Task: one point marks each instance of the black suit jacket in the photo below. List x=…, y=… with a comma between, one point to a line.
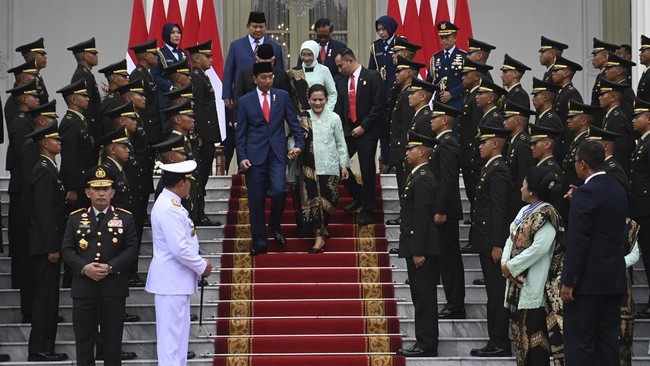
x=493, y=118
x=550, y=119
x=570, y=175
x=92, y=114
x=111, y=101
x=76, y=151
x=205, y=108
x=421, y=123
x=18, y=129
x=593, y=261
x=613, y=168
x=114, y=242
x=567, y=93
x=616, y=121
x=418, y=236
x=489, y=226
x=445, y=166
x=370, y=104
x=643, y=88
x=333, y=48
x=518, y=95
x=246, y=85
x=640, y=180
x=48, y=212
x=150, y=115
x=401, y=116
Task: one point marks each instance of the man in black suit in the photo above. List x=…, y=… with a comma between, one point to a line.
x=329, y=47
x=593, y=276
x=643, y=88
x=448, y=209
x=361, y=106
x=100, y=243
x=488, y=236
x=85, y=53
x=419, y=245
x=47, y=225
x=245, y=82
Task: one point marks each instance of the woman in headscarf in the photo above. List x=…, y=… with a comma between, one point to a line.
x=168, y=54
x=532, y=263
x=309, y=73
x=320, y=167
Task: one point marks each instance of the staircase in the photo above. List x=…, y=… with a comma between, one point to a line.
x=210, y=341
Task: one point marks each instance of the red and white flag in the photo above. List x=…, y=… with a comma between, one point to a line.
x=464, y=22
x=137, y=34
x=395, y=13
x=412, y=29
x=174, y=14
x=191, y=25
x=209, y=30
x=431, y=44
x=158, y=19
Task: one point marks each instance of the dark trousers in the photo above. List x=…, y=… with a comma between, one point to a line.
x=497, y=315
x=400, y=177
x=424, y=293
x=106, y=312
x=367, y=149
x=206, y=154
x=591, y=330
x=270, y=174
x=21, y=274
x=140, y=206
x=452, y=271
x=470, y=179
x=229, y=142
x=45, y=312
x=644, y=244
x=384, y=149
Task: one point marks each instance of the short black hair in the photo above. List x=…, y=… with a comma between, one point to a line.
x=626, y=47
x=317, y=88
x=348, y=53
x=592, y=153
x=323, y=22
x=170, y=181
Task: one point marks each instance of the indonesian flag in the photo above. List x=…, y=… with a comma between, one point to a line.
x=191, y=25
x=464, y=22
x=412, y=29
x=395, y=13
x=209, y=30
x=431, y=44
x=138, y=32
x=174, y=14
x=158, y=20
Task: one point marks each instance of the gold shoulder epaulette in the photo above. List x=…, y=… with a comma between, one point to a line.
x=77, y=211
x=175, y=203
x=123, y=210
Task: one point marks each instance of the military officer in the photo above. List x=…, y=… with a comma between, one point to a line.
x=580, y=118
x=23, y=74
x=549, y=51
x=448, y=210
x=100, y=243
x=598, y=61
x=543, y=100
x=179, y=73
x=171, y=151
x=116, y=75
x=615, y=120
x=419, y=245
x=115, y=154
x=147, y=55
x=206, y=120
x=511, y=73
x=562, y=75
x=612, y=166
x=47, y=223
x=35, y=51
x=487, y=98
x=419, y=98
x=85, y=53
x=640, y=185
x=488, y=235
x=479, y=52
x=180, y=95
x=519, y=157
x=643, y=88
x=542, y=142
x=446, y=65
x=405, y=49
x=618, y=70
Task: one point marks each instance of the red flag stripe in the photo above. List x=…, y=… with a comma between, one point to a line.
x=394, y=12
x=138, y=31
x=174, y=13
x=191, y=25
x=432, y=43
x=158, y=19
x=412, y=28
x=464, y=22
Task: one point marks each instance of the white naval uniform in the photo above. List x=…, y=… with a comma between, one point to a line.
x=172, y=276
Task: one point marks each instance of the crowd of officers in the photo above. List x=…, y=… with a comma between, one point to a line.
x=122, y=134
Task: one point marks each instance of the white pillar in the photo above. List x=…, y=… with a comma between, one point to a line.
x=640, y=13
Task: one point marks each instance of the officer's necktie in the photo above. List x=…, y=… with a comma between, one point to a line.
x=100, y=218
x=179, y=54
x=446, y=55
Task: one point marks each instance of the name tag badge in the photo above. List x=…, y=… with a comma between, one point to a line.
x=115, y=223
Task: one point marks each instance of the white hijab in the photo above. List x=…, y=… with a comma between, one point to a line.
x=314, y=48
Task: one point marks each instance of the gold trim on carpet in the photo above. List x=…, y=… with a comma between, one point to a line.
x=366, y=245
x=242, y=275
x=242, y=260
x=243, y=217
x=378, y=344
x=237, y=361
x=381, y=360
x=368, y=260
x=377, y=326
x=243, y=231
x=365, y=231
x=242, y=245
x=239, y=346
x=239, y=327
x=240, y=292
x=371, y=291
x=240, y=309
x=374, y=308
x=369, y=275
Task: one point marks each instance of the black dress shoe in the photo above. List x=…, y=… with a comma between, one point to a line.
x=365, y=219
x=194, y=318
x=416, y=351
x=256, y=251
x=474, y=351
x=479, y=282
x=279, y=237
x=130, y=318
x=191, y=355
x=147, y=221
x=452, y=314
x=467, y=222
x=493, y=352
x=352, y=206
x=4, y=357
x=207, y=222
x=60, y=319
x=393, y=251
x=124, y=355
x=396, y=221
x=26, y=319
x=136, y=283
x=47, y=357
x=467, y=249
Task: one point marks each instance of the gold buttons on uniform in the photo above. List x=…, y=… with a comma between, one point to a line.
x=98, y=254
x=99, y=244
x=99, y=233
x=411, y=231
x=114, y=240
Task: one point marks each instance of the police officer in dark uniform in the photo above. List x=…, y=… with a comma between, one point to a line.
x=179, y=73
x=598, y=60
x=615, y=120
x=77, y=145
x=24, y=74
x=618, y=70
x=542, y=142
x=543, y=100
x=100, y=243
x=612, y=166
x=549, y=51
x=419, y=245
x=643, y=88
x=116, y=75
x=47, y=223
x=488, y=235
x=179, y=95
x=479, y=52
x=487, y=98
x=562, y=76
x=519, y=157
x=419, y=98
x=511, y=73
x=207, y=122
x=640, y=185
x=86, y=55
x=35, y=51
x=446, y=65
x=580, y=118
x=448, y=209
x=115, y=152
x=147, y=55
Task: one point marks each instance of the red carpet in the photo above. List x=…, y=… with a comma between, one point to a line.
x=291, y=308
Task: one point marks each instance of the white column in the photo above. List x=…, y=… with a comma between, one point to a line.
x=640, y=13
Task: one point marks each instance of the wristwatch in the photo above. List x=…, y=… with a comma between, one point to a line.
x=110, y=269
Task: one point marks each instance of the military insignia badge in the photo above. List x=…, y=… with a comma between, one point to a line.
x=100, y=173
x=175, y=203
x=83, y=244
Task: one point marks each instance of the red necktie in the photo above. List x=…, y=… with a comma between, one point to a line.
x=323, y=54
x=266, y=109
x=353, y=99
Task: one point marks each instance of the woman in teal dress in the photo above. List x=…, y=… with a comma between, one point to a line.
x=532, y=263
x=320, y=167
x=309, y=73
